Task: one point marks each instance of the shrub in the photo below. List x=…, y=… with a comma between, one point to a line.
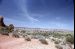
x=23, y=31
x=4, y=31
x=15, y=35
x=63, y=43
x=38, y=36
x=58, y=46
x=53, y=39
x=57, y=42
x=57, y=35
x=70, y=39
x=43, y=41
x=27, y=38
x=11, y=28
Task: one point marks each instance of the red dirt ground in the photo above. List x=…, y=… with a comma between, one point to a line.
x=7, y=42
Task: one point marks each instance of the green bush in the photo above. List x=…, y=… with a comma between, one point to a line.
x=4, y=31
x=27, y=38
x=10, y=28
x=58, y=46
x=37, y=36
x=23, y=31
x=70, y=38
x=57, y=42
x=57, y=35
x=53, y=39
x=43, y=41
x=15, y=35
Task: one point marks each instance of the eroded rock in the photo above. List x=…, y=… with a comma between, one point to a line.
x=2, y=22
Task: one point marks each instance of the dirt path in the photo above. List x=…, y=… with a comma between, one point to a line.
x=19, y=43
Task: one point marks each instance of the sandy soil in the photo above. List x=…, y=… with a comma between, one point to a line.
x=7, y=42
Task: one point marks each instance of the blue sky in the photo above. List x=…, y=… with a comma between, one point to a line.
x=55, y=14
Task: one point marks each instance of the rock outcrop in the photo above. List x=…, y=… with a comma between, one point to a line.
x=4, y=29
x=2, y=22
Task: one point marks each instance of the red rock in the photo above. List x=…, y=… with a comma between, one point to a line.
x=2, y=22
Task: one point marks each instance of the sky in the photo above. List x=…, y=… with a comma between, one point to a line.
x=53, y=14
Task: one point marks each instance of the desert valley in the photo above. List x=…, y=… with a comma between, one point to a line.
x=12, y=37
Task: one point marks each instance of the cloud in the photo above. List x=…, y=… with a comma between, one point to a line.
x=33, y=19
x=23, y=7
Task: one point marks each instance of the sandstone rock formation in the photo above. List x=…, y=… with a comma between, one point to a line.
x=4, y=29
x=1, y=22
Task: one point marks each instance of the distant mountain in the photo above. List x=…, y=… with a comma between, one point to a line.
x=43, y=29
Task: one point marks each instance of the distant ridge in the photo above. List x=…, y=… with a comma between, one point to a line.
x=64, y=30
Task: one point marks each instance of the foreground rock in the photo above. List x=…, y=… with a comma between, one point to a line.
x=2, y=22
x=4, y=29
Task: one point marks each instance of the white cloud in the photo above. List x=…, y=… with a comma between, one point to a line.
x=23, y=7
x=33, y=19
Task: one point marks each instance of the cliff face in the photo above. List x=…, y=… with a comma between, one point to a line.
x=1, y=22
